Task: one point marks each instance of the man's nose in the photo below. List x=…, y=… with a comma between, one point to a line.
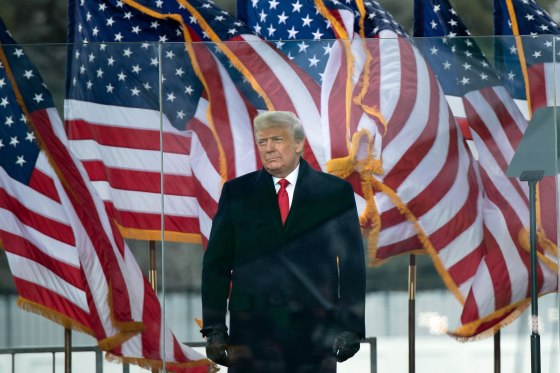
x=269, y=145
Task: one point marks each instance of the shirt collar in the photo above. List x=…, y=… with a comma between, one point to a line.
x=292, y=177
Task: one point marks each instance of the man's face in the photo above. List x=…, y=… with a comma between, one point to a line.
x=278, y=150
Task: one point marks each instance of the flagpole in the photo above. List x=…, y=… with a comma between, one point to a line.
x=67, y=350
x=411, y=313
x=532, y=179
x=152, y=272
x=153, y=266
x=152, y=275
x=497, y=352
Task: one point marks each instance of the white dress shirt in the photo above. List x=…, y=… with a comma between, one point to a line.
x=292, y=178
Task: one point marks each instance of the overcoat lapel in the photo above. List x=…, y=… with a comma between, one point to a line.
x=265, y=204
x=307, y=188
x=264, y=200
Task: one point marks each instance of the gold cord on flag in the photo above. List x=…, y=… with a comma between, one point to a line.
x=342, y=36
x=369, y=58
x=520, y=51
x=370, y=221
x=343, y=167
x=547, y=245
x=224, y=48
x=358, y=100
x=196, y=67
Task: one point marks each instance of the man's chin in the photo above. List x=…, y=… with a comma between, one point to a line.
x=273, y=169
x=272, y=165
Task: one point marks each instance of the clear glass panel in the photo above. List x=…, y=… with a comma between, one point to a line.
x=438, y=310
x=188, y=114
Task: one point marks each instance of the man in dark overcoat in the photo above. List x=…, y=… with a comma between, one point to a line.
x=286, y=257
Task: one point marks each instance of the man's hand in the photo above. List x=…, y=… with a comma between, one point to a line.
x=345, y=345
x=217, y=344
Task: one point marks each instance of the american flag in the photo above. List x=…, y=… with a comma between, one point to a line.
x=280, y=83
x=417, y=183
x=304, y=31
x=113, y=121
x=429, y=197
x=295, y=29
x=531, y=61
x=50, y=251
x=209, y=94
x=498, y=283
x=69, y=261
x=428, y=25
x=527, y=62
x=529, y=66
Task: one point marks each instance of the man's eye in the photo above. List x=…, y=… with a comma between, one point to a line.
x=278, y=141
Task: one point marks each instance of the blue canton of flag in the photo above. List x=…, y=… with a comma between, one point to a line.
x=531, y=20
x=226, y=28
x=18, y=147
x=378, y=19
x=295, y=27
x=117, y=58
x=457, y=60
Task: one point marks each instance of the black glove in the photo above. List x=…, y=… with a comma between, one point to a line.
x=345, y=345
x=218, y=347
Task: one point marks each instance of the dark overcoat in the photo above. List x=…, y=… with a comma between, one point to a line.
x=290, y=287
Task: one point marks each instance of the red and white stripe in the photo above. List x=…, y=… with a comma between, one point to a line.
x=156, y=343
x=98, y=239
x=120, y=150
x=501, y=284
x=231, y=131
x=425, y=163
x=235, y=140
x=288, y=88
x=231, y=116
x=37, y=235
x=119, y=146
x=54, y=259
x=544, y=84
x=222, y=145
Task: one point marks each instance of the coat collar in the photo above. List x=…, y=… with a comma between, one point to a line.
x=307, y=186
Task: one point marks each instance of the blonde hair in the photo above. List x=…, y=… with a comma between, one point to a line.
x=280, y=118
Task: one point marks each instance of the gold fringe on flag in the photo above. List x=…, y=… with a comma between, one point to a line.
x=155, y=235
x=158, y=364
x=465, y=332
x=57, y=317
x=61, y=319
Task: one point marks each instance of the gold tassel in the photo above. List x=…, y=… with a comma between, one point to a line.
x=544, y=243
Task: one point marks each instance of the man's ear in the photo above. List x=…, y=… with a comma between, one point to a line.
x=299, y=147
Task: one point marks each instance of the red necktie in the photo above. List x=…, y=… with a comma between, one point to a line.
x=283, y=201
